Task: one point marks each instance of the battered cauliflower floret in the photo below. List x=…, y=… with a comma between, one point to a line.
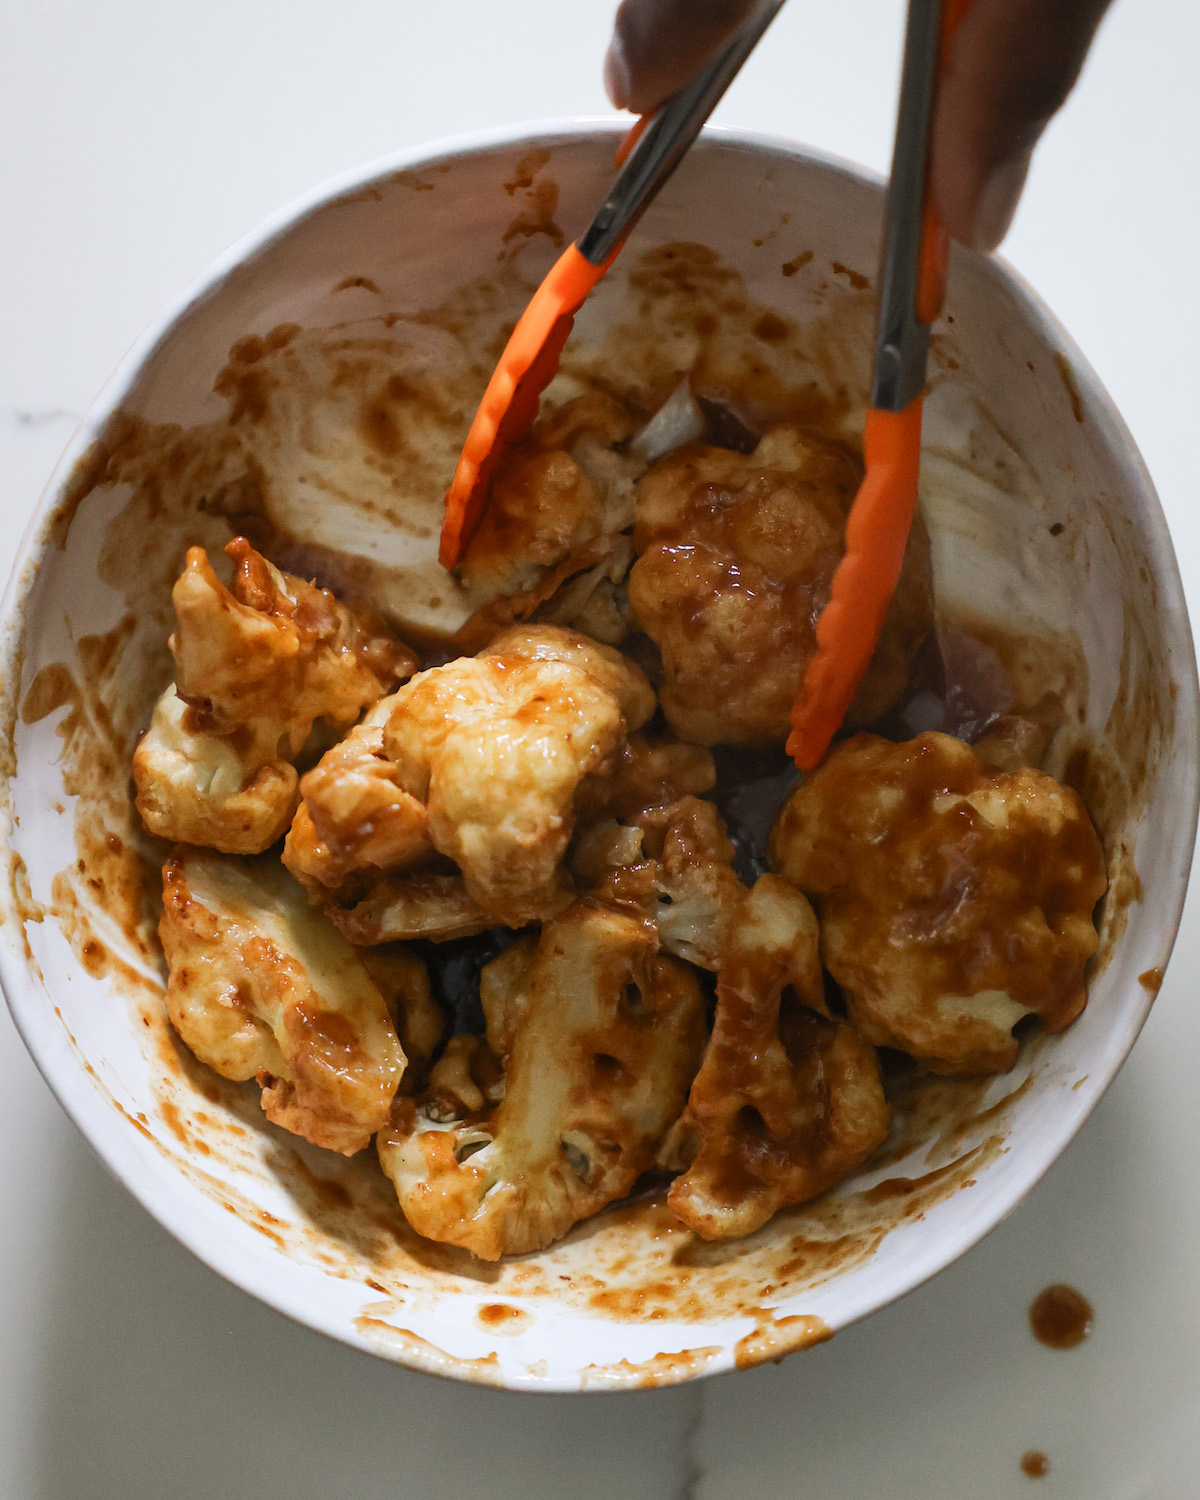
x=558, y=502
x=257, y=665
x=648, y=845
x=262, y=986
x=198, y=787
x=598, y=1038
x=674, y=866
x=787, y=1100
x=550, y=643
x=735, y=558
x=355, y=817
x=954, y=898
x=495, y=747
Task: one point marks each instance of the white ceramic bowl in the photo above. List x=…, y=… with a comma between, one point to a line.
x=1042, y=513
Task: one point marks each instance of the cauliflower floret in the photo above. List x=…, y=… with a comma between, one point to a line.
x=468, y=1077
x=787, y=1100
x=550, y=643
x=495, y=747
x=256, y=666
x=477, y=761
x=598, y=1037
x=954, y=898
x=596, y=602
x=262, y=986
x=195, y=786
x=650, y=846
x=735, y=558
x=558, y=502
x=355, y=815
x=674, y=865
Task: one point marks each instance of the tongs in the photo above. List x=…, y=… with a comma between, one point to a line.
x=912, y=285
x=647, y=157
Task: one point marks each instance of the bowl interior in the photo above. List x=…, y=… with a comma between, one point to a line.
x=754, y=266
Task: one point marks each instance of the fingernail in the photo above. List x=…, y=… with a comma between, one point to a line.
x=616, y=74
x=998, y=201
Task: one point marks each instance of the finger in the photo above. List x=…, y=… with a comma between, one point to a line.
x=658, y=45
x=1013, y=63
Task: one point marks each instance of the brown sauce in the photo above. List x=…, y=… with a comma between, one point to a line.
x=1151, y=980
x=1060, y=1317
x=1034, y=1465
x=503, y=1317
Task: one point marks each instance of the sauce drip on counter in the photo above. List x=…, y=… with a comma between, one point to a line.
x=1060, y=1317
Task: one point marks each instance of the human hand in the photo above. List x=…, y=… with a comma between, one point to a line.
x=1012, y=65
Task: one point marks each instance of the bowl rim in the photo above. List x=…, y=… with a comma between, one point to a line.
x=121, y=1151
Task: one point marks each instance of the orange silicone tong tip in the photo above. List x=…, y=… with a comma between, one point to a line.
x=510, y=403
x=864, y=581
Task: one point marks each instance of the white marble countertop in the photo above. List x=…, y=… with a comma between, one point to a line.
x=139, y=139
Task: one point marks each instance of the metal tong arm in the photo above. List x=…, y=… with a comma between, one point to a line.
x=667, y=138
x=902, y=340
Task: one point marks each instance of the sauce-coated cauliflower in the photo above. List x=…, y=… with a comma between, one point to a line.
x=735, y=557
x=256, y=666
x=954, y=898
x=653, y=847
x=198, y=787
x=356, y=819
x=495, y=747
x=787, y=1100
x=599, y=1038
x=262, y=986
x=431, y=905
x=559, y=500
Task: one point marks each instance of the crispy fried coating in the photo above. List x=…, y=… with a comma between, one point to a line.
x=954, y=898
x=257, y=665
x=384, y=805
x=495, y=747
x=598, y=1037
x=735, y=558
x=787, y=1099
x=262, y=986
